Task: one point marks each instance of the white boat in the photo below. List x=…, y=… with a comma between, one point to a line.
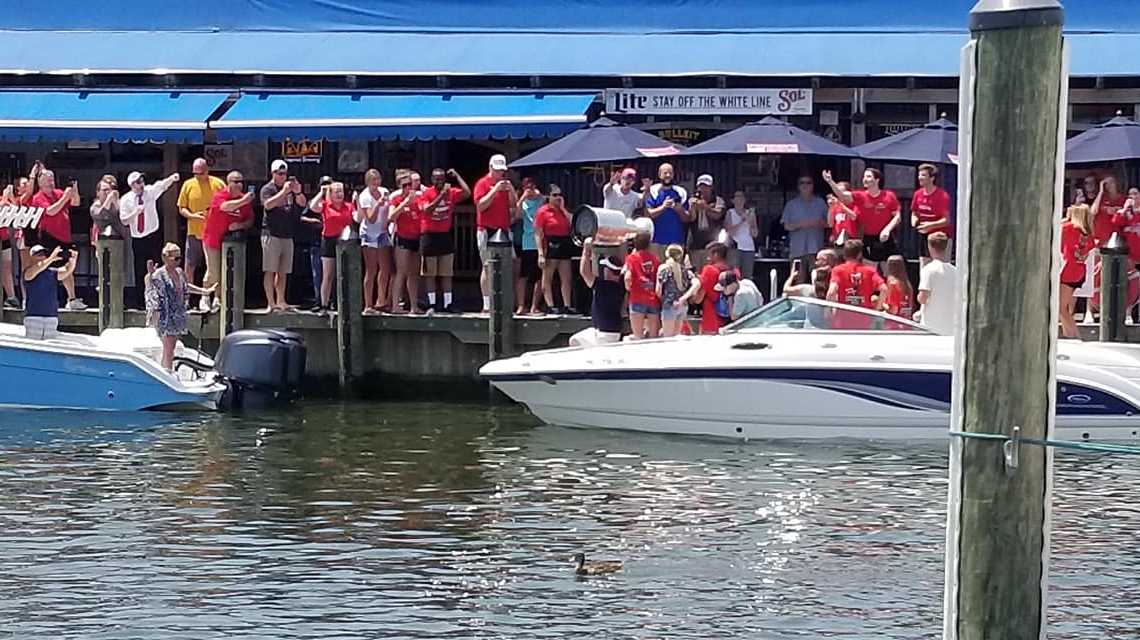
x=801, y=368
x=119, y=370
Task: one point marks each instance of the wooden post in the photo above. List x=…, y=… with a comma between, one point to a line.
x=1013, y=88
x=231, y=286
x=170, y=198
x=1113, y=288
x=109, y=258
x=501, y=323
x=350, y=308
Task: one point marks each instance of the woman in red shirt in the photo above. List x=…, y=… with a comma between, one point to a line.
x=336, y=214
x=405, y=213
x=641, y=283
x=899, y=300
x=552, y=236
x=1076, y=243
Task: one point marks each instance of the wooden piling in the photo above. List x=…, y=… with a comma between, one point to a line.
x=109, y=258
x=501, y=325
x=231, y=286
x=1014, y=88
x=1113, y=288
x=350, y=308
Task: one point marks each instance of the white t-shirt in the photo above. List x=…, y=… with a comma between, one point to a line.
x=364, y=202
x=742, y=236
x=940, y=280
x=624, y=202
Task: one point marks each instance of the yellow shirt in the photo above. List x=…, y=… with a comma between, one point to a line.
x=196, y=195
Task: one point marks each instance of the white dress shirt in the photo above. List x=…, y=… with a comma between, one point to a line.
x=139, y=211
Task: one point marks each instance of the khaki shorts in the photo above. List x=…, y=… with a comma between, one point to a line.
x=41, y=328
x=276, y=255
x=481, y=238
x=442, y=266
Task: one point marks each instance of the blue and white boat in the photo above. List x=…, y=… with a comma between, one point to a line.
x=116, y=371
x=801, y=368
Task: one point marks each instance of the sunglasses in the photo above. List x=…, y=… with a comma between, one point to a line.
x=807, y=182
x=236, y=181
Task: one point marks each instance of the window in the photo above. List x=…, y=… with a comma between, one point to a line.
x=801, y=314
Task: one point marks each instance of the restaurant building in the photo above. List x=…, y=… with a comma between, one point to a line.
x=336, y=88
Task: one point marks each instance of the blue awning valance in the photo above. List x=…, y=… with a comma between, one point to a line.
x=403, y=115
x=122, y=116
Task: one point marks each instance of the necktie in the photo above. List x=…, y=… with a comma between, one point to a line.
x=142, y=215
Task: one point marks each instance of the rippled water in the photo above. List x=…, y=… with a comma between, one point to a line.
x=428, y=521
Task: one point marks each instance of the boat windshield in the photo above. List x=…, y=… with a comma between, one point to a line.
x=811, y=314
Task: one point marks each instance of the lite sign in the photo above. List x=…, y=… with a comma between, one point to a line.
x=710, y=102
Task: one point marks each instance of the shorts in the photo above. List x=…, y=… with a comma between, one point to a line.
x=1075, y=285
x=375, y=241
x=924, y=246
x=481, y=238
x=276, y=254
x=528, y=265
x=645, y=309
x=41, y=328
x=441, y=266
x=559, y=248
x=877, y=251
x=408, y=244
x=328, y=247
x=437, y=244
x=195, y=254
x=669, y=312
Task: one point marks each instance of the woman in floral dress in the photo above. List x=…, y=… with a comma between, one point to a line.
x=167, y=298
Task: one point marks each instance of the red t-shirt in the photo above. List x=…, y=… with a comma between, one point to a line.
x=875, y=212
x=496, y=216
x=642, y=266
x=218, y=221
x=710, y=275
x=1128, y=223
x=1106, y=220
x=930, y=207
x=899, y=302
x=439, y=220
x=408, y=224
x=553, y=222
x=59, y=225
x=844, y=221
x=857, y=283
x=1075, y=248
x=334, y=218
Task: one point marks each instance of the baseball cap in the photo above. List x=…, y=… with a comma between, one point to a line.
x=38, y=250
x=644, y=225
x=134, y=177
x=498, y=162
x=629, y=172
x=326, y=180
x=705, y=179
x=727, y=279
x=279, y=165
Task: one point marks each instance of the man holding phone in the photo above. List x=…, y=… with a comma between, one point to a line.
x=230, y=210
x=496, y=203
x=283, y=202
x=41, y=282
x=193, y=203
x=54, y=229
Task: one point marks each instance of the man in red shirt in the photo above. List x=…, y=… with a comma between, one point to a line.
x=496, y=207
x=230, y=210
x=710, y=276
x=854, y=282
x=54, y=229
x=437, y=243
x=929, y=210
x=878, y=211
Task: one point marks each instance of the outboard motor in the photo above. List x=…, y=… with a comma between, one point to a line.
x=261, y=367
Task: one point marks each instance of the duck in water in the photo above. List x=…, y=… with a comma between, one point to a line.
x=596, y=567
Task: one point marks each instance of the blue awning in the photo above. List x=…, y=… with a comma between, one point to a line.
x=122, y=116
x=407, y=116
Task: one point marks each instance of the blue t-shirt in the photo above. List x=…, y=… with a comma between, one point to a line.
x=668, y=227
x=802, y=242
x=530, y=210
x=42, y=295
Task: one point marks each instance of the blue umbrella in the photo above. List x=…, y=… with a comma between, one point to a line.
x=770, y=136
x=602, y=141
x=934, y=142
x=1117, y=139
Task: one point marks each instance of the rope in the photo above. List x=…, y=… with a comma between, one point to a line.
x=1097, y=447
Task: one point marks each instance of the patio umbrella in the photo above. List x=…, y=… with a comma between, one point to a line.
x=935, y=142
x=770, y=136
x=602, y=141
x=1117, y=139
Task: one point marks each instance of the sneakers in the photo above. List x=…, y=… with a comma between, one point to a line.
x=76, y=304
x=12, y=303
x=317, y=308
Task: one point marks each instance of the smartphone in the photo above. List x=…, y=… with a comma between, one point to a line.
x=796, y=265
x=251, y=189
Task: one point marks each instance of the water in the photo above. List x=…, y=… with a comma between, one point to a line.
x=429, y=521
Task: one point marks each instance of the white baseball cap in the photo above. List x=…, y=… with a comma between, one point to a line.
x=498, y=162
x=135, y=176
x=279, y=165
x=705, y=179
